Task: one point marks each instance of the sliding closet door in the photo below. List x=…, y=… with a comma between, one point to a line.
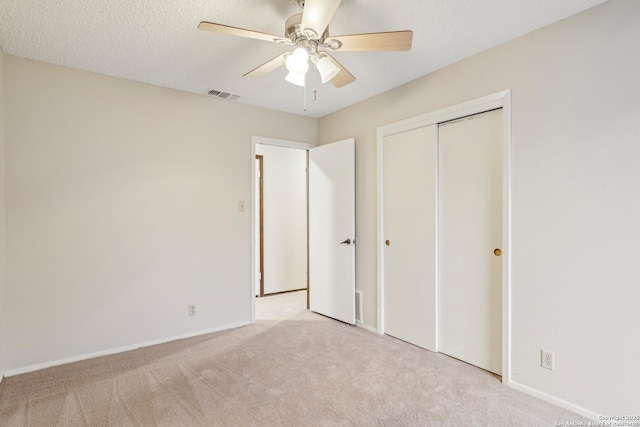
x=409, y=241
x=470, y=237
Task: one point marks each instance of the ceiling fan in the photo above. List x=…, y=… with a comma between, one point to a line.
x=309, y=33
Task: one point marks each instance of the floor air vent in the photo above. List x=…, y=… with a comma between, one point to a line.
x=359, y=307
x=224, y=95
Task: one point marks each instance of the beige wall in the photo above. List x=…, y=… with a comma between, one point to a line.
x=576, y=203
x=121, y=203
x=122, y=209
x=2, y=296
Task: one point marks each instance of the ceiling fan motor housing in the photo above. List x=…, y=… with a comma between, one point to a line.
x=293, y=30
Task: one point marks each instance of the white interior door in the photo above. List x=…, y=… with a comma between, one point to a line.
x=409, y=236
x=332, y=230
x=470, y=228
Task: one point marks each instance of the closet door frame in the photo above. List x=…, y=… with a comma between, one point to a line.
x=476, y=106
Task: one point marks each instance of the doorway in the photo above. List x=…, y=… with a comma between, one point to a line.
x=330, y=226
x=280, y=221
x=258, y=142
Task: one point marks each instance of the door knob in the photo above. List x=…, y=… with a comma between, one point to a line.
x=497, y=252
x=387, y=242
x=346, y=242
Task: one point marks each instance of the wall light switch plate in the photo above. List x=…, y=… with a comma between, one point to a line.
x=241, y=206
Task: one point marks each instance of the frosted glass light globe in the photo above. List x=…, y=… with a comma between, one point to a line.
x=298, y=61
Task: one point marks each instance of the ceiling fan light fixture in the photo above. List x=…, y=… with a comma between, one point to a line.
x=308, y=33
x=327, y=69
x=296, y=78
x=298, y=61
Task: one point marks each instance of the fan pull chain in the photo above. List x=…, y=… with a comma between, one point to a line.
x=315, y=98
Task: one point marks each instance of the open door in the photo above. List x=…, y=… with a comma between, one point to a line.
x=332, y=225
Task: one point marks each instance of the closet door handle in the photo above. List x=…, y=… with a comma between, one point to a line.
x=346, y=242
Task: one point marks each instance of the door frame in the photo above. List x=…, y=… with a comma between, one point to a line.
x=260, y=231
x=480, y=105
x=279, y=143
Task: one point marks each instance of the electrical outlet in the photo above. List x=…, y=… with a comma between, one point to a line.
x=546, y=359
x=192, y=309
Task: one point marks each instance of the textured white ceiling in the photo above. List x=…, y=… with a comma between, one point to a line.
x=157, y=41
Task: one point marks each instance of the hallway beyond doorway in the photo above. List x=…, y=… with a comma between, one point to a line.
x=282, y=306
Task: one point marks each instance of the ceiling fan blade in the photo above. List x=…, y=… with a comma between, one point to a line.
x=395, y=40
x=316, y=14
x=267, y=67
x=344, y=77
x=235, y=31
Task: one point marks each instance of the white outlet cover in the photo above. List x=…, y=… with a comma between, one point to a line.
x=546, y=359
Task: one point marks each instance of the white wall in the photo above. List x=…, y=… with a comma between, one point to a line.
x=122, y=209
x=285, y=218
x=576, y=203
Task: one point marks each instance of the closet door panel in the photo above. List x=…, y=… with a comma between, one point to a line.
x=409, y=236
x=470, y=230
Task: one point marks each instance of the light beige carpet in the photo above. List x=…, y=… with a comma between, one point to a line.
x=295, y=368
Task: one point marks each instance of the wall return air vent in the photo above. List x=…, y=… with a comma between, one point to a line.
x=224, y=95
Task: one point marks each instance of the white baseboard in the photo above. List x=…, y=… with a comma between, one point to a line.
x=366, y=328
x=38, y=366
x=555, y=400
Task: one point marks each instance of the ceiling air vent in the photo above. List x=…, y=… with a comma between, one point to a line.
x=224, y=95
